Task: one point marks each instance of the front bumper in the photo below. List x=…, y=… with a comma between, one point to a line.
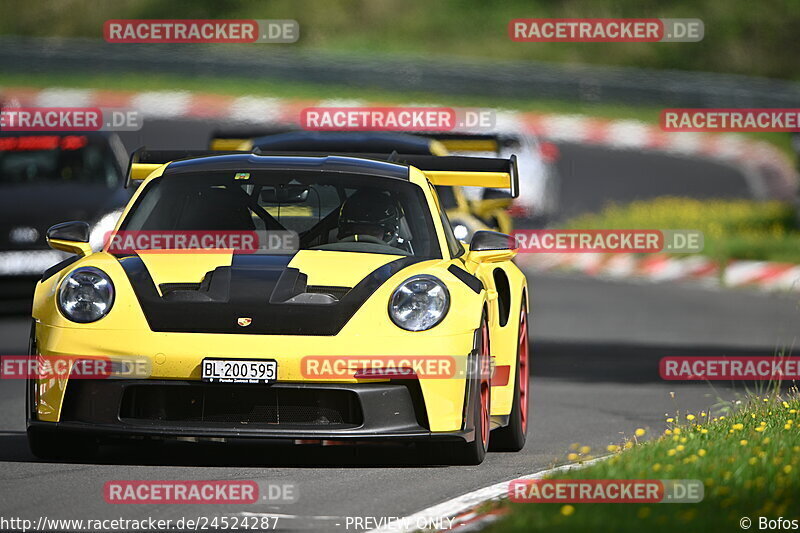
x=319, y=411
x=177, y=357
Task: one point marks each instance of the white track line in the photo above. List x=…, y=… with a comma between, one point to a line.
x=465, y=502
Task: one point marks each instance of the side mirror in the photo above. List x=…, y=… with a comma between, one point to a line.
x=72, y=237
x=490, y=247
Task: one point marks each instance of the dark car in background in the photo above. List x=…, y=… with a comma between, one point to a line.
x=47, y=178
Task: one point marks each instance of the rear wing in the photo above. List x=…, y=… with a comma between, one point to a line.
x=143, y=161
x=467, y=171
x=454, y=171
x=473, y=142
x=464, y=171
x=240, y=138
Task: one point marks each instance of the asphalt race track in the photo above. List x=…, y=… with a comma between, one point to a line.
x=596, y=347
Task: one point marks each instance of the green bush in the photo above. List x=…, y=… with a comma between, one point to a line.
x=732, y=229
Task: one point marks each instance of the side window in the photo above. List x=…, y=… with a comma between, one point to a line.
x=453, y=244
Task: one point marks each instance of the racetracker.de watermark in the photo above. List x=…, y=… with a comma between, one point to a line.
x=184, y=492
x=730, y=368
x=75, y=367
x=732, y=120
x=396, y=119
x=345, y=367
x=381, y=367
x=606, y=30
x=606, y=491
x=201, y=31
x=72, y=119
x=606, y=241
x=201, y=241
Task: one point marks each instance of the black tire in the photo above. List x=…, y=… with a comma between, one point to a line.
x=474, y=452
x=511, y=438
x=51, y=445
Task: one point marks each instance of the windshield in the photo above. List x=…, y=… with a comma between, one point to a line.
x=72, y=159
x=339, y=212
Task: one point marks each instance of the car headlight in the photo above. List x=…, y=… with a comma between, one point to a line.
x=419, y=303
x=86, y=295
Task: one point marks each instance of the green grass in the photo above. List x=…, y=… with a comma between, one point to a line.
x=267, y=88
x=732, y=229
x=748, y=461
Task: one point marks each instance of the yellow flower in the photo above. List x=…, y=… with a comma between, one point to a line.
x=787, y=469
x=670, y=420
x=702, y=413
x=704, y=431
x=667, y=432
x=752, y=460
x=792, y=411
x=796, y=448
x=701, y=452
x=743, y=442
x=787, y=426
x=690, y=417
x=738, y=427
x=766, y=440
x=572, y=456
x=656, y=467
x=585, y=449
x=639, y=432
x=567, y=510
x=671, y=452
x=722, y=418
x=574, y=446
x=612, y=448
x=760, y=428
x=628, y=444
x=786, y=404
x=680, y=447
x=684, y=440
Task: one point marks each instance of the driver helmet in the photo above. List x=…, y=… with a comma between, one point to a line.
x=370, y=212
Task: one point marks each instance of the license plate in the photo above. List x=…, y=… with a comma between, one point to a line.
x=239, y=370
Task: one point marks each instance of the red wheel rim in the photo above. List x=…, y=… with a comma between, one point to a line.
x=484, y=362
x=523, y=369
x=485, y=415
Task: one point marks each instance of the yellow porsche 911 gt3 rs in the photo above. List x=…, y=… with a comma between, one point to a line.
x=327, y=336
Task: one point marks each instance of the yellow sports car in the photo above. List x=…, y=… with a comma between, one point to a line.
x=371, y=322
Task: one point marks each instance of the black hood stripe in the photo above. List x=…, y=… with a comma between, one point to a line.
x=256, y=287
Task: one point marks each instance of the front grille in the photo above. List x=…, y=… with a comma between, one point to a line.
x=215, y=404
x=336, y=292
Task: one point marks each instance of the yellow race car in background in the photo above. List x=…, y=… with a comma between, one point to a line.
x=228, y=336
x=487, y=210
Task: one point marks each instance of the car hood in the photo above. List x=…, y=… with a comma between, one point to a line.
x=312, y=292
